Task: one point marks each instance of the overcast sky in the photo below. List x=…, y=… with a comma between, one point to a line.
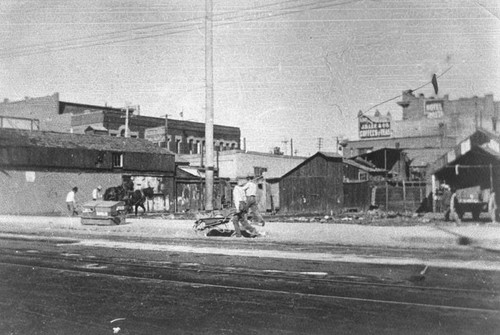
x=283, y=69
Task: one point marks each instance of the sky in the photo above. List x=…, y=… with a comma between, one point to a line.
x=284, y=70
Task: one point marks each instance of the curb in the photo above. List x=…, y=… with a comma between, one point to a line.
x=23, y=237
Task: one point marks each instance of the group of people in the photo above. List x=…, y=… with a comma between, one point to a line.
x=71, y=199
x=245, y=202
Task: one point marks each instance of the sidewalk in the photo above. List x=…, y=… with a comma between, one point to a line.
x=429, y=236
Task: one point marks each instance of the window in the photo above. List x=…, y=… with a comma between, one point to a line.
x=178, y=143
x=363, y=176
x=258, y=171
x=117, y=160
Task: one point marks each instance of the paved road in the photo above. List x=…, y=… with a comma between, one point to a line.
x=55, y=286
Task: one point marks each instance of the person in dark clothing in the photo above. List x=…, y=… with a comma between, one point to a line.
x=446, y=202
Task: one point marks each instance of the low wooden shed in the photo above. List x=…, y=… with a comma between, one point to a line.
x=314, y=186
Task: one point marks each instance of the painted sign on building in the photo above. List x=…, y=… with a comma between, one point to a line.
x=434, y=109
x=371, y=128
x=156, y=135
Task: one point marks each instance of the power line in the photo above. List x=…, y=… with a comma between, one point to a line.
x=103, y=38
x=396, y=97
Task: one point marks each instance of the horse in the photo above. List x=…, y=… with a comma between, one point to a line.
x=130, y=198
x=118, y=193
x=138, y=197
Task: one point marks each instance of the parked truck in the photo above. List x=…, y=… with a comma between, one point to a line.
x=472, y=200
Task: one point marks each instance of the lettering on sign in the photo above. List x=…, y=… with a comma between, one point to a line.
x=155, y=135
x=370, y=129
x=434, y=109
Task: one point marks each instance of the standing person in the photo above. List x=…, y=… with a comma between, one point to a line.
x=492, y=207
x=446, y=202
x=454, y=207
x=96, y=193
x=70, y=201
x=251, y=194
x=241, y=216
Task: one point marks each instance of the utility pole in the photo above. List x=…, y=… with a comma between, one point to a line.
x=166, y=133
x=285, y=142
x=320, y=143
x=476, y=116
x=126, y=121
x=209, y=112
x=291, y=147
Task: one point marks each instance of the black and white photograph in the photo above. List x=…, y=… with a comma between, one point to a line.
x=223, y=167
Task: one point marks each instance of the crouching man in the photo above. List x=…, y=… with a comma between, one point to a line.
x=240, y=217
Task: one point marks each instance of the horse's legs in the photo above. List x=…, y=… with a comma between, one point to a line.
x=137, y=207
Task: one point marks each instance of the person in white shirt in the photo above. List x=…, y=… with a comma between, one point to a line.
x=71, y=203
x=454, y=207
x=492, y=207
x=96, y=193
x=251, y=197
x=240, y=217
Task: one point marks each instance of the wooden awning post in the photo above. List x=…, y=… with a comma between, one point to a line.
x=433, y=193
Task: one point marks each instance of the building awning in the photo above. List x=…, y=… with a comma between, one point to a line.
x=192, y=171
x=383, y=158
x=96, y=128
x=474, y=161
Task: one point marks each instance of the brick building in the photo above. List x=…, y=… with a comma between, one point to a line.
x=53, y=114
x=184, y=137
x=429, y=128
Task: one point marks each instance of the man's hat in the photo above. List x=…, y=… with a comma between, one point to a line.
x=99, y=187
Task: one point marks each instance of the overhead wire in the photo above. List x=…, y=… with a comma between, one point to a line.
x=185, y=26
x=427, y=83
x=399, y=95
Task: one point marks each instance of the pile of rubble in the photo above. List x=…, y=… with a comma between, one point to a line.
x=372, y=217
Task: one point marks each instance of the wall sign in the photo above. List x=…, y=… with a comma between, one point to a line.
x=434, y=109
x=371, y=128
x=30, y=176
x=155, y=135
